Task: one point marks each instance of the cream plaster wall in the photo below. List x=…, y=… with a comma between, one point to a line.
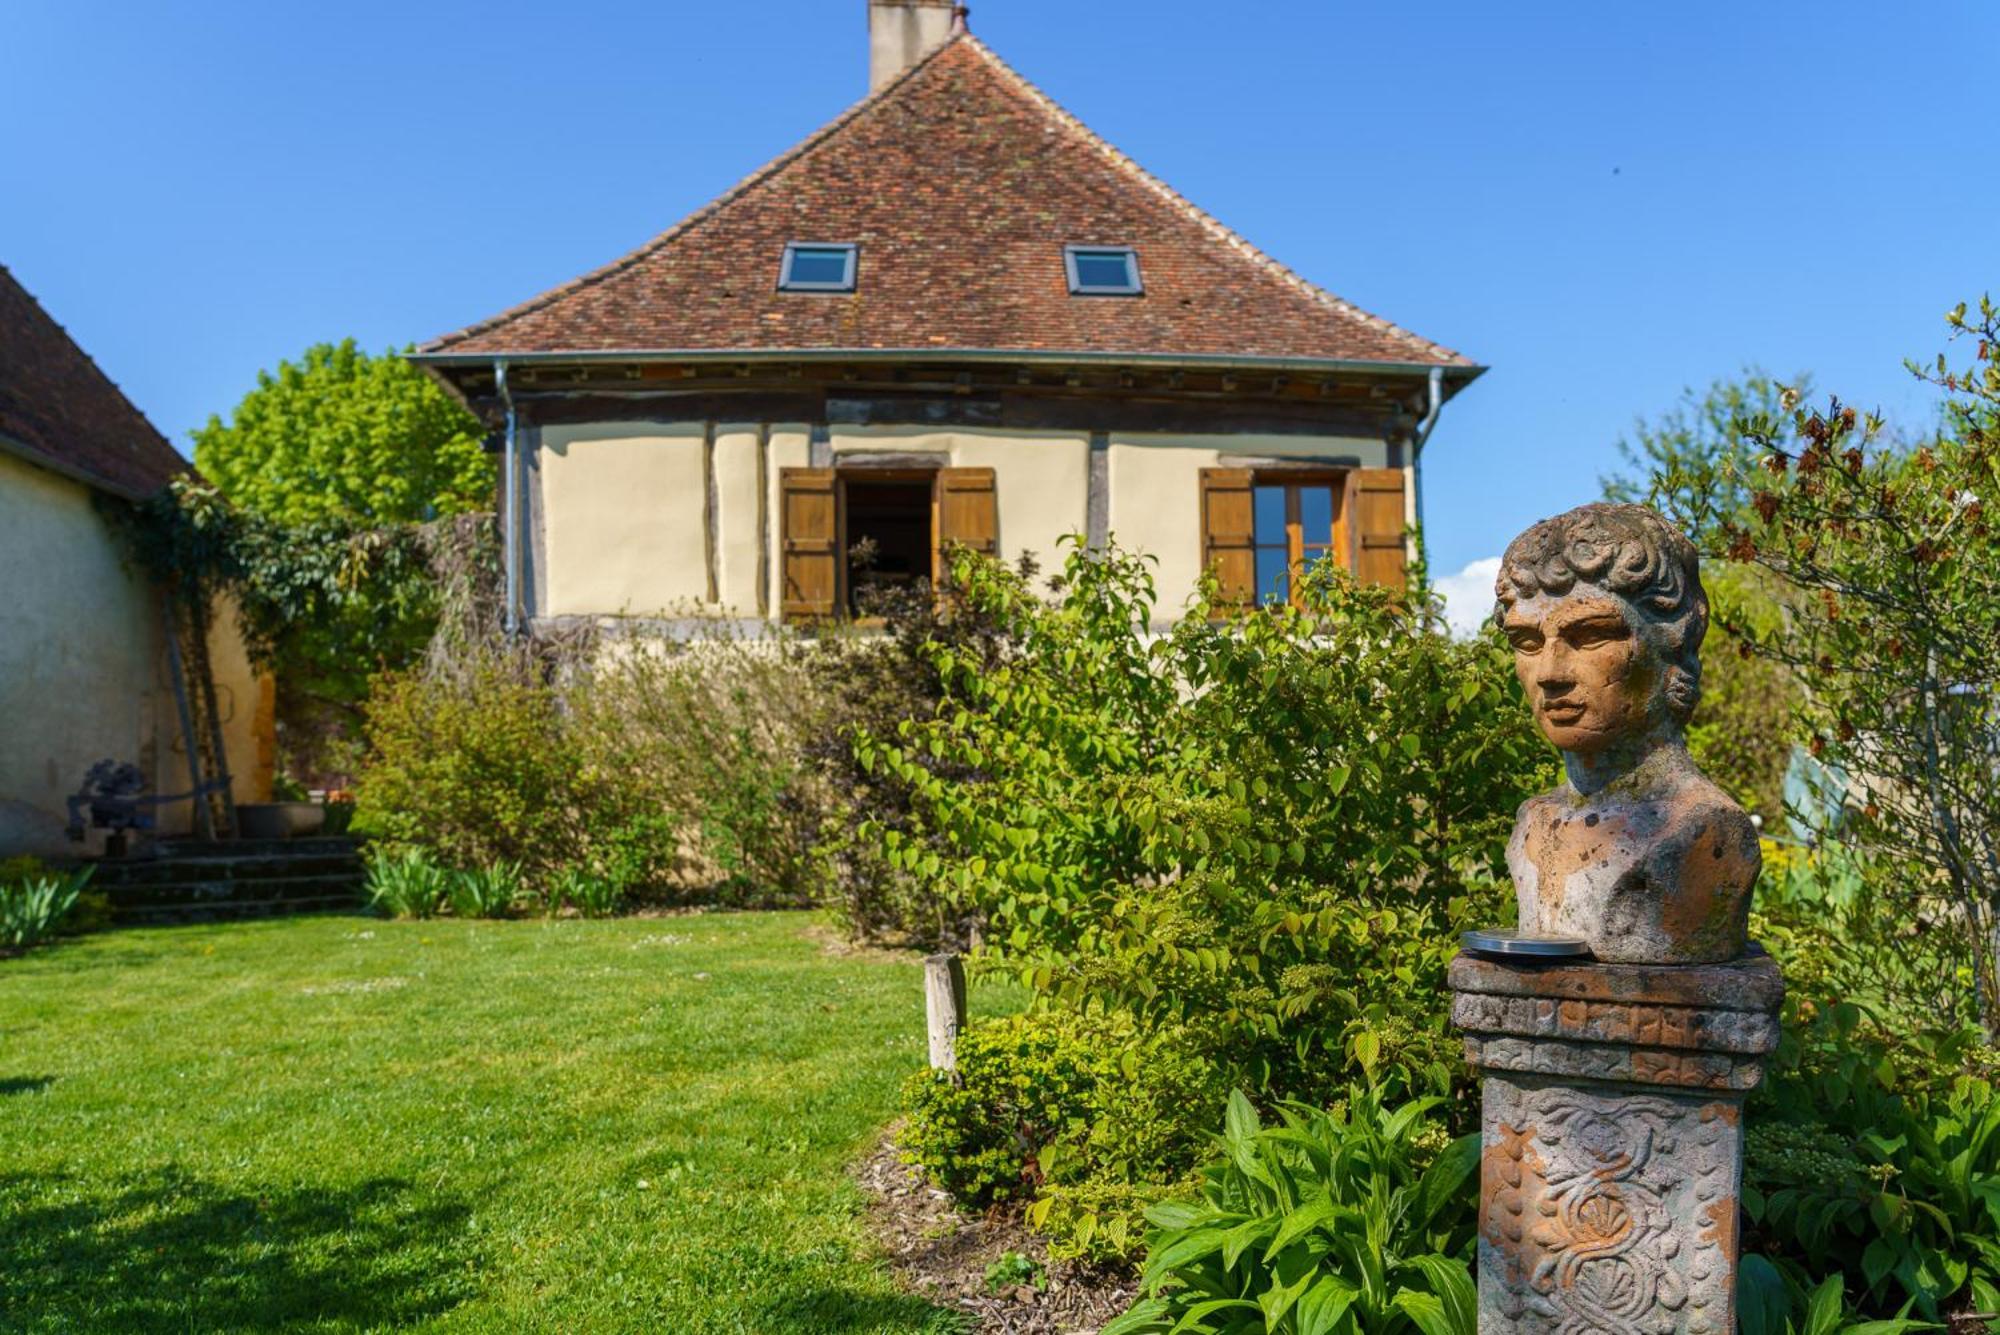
x=1155, y=492
x=739, y=539
x=1041, y=480
x=622, y=511
x=623, y=503
x=83, y=669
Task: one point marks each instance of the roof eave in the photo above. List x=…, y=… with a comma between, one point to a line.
x=1461, y=372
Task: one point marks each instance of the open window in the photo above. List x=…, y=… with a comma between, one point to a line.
x=850, y=535
x=1261, y=529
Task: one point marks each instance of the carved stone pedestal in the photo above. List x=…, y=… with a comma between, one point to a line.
x=1613, y=1132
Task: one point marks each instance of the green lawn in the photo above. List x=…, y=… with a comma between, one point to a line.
x=345, y=1124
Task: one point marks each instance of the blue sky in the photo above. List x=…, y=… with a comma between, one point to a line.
x=1602, y=202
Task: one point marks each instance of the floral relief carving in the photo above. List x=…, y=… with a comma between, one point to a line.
x=1582, y=1228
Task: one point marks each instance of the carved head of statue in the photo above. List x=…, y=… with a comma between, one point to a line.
x=1605, y=611
x=1636, y=854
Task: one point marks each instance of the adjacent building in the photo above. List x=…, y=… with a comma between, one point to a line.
x=84, y=665
x=954, y=314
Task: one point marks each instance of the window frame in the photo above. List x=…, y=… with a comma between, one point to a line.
x=1336, y=548
x=1077, y=287
x=851, y=252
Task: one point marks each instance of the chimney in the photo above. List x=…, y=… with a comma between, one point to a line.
x=903, y=32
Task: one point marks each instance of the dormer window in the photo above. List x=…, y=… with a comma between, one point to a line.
x=1102, y=271
x=812, y=266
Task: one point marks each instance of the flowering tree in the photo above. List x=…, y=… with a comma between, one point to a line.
x=1891, y=576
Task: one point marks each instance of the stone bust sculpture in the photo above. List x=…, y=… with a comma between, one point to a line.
x=1636, y=852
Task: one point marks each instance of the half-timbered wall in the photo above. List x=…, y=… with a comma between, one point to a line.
x=676, y=519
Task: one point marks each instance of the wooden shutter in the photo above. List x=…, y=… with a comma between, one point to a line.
x=1377, y=521
x=968, y=514
x=809, y=534
x=1229, y=532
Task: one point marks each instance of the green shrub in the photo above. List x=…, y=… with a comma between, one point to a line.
x=407, y=884
x=1268, y=827
x=473, y=768
x=1358, y=1221
x=871, y=686
x=1083, y=1115
x=486, y=892
x=661, y=766
x=34, y=904
x=711, y=731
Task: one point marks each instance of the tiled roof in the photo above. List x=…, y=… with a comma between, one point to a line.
x=58, y=408
x=961, y=183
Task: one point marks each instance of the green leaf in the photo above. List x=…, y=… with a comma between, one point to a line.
x=1324, y=1304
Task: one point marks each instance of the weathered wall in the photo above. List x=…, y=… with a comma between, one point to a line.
x=622, y=508
x=623, y=505
x=83, y=670
x=1155, y=492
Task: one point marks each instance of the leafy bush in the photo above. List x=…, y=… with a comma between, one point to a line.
x=712, y=731
x=1267, y=827
x=407, y=884
x=653, y=765
x=1083, y=1115
x=473, y=768
x=1873, y=1146
x=1357, y=1221
x=486, y=892
x=34, y=903
x=871, y=685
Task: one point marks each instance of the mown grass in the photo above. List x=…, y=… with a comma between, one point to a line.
x=341, y=1124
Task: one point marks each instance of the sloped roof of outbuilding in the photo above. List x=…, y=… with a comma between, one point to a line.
x=59, y=409
x=960, y=183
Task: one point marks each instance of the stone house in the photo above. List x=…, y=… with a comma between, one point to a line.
x=85, y=669
x=954, y=314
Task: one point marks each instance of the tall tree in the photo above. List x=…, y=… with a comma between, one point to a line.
x=1745, y=731
x=1890, y=565
x=340, y=435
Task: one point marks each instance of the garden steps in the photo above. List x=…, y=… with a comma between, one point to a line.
x=197, y=881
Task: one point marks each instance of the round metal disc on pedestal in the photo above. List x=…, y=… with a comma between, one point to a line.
x=1507, y=942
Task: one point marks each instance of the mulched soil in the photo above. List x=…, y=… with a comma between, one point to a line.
x=943, y=1253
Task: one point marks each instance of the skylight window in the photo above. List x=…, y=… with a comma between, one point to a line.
x=1102, y=271
x=813, y=267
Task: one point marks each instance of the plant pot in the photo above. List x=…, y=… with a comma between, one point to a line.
x=279, y=820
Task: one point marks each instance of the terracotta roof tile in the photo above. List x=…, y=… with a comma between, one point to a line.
x=57, y=407
x=961, y=183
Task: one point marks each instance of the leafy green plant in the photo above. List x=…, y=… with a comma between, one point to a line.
x=1084, y=1116
x=590, y=893
x=1771, y=1302
x=408, y=884
x=1356, y=1221
x=33, y=905
x=1266, y=826
x=486, y=892
x=1012, y=1270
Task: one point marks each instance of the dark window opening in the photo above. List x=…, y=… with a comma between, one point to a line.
x=1296, y=524
x=889, y=540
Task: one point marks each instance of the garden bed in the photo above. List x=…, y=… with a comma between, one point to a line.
x=962, y=1260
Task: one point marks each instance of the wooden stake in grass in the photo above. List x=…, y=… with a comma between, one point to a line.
x=944, y=1005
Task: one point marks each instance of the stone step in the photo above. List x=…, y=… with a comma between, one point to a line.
x=234, y=897
x=319, y=844
x=111, y=875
